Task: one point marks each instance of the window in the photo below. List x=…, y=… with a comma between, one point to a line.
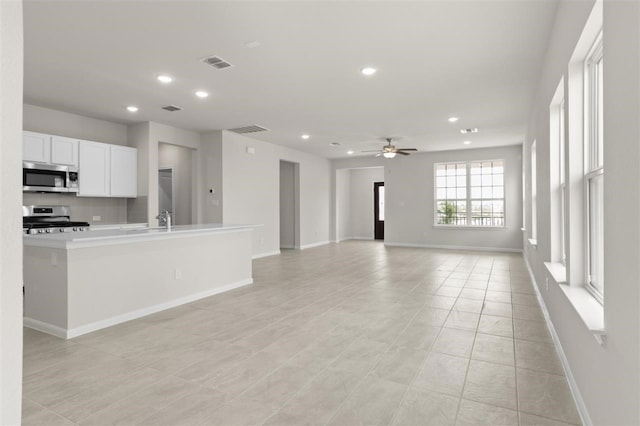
x=557, y=176
x=534, y=194
x=594, y=169
x=470, y=193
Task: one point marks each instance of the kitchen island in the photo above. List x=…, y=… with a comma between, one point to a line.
x=80, y=282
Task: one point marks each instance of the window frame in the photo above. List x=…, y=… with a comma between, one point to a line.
x=469, y=199
x=593, y=158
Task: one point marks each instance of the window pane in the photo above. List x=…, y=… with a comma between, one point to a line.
x=381, y=203
x=486, y=180
x=476, y=192
x=476, y=180
x=462, y=193
x=451, y=193
x=487, y=192
x=475, y=168
x=596, y=234
x=440, y=170
x=441, y=193
x=441, y=182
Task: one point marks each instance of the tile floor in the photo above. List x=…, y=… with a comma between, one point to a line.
x=349, y=333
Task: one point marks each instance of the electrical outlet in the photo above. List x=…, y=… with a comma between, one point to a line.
x=96, y=218
x=178, y=274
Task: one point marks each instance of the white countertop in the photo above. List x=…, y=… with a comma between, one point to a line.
x=101, y=237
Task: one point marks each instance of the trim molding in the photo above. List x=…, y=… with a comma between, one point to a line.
x=269, y=253
x=312, y=245
x=98, y=325
x=446, y=247
x=573, y=386
x=45, y=327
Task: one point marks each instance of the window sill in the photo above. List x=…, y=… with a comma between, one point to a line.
x=533, y=243
x=478, y=228
x=586, y=306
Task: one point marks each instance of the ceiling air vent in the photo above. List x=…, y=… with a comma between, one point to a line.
x=248, y=129
x=217, y=62
x=171, y=108
x=471, y=130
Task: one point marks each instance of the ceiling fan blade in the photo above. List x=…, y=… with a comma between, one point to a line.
x=407, y=149
x=402, y=153
x=372, y=150
x=378, y=154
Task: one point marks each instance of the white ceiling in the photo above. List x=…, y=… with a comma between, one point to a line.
x=478, y=60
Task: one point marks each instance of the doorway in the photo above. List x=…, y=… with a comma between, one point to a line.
x=378, y=210
x=289, y=205
x=166, y=190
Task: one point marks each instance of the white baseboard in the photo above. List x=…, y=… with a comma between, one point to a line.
x=573, y=386
x=270, y=253
x=312, y=245
x=45, y=327
x=98, y=325
x=446, y=247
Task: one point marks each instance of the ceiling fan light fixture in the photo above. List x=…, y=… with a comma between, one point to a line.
x=389, y=154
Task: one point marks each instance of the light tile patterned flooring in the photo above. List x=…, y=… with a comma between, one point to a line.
x=349, y=333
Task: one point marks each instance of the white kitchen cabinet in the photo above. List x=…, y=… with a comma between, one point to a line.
x=36, y=147
x=64, y=151
x=124, y=171
x=94, y=171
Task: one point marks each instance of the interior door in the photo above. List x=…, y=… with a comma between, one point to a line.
x=378, y=210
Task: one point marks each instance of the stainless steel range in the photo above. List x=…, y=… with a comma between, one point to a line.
x=49, y=219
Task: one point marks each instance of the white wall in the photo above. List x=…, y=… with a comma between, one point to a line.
x=409, y=204
x=179, y=159
x=361, y=201
x=209, y=194
x=54, y=122
x=251, y=191
x=342, y=204
x=606, y=377
x=11, y=77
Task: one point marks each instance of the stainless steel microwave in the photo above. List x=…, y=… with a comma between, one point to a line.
x=37, y=177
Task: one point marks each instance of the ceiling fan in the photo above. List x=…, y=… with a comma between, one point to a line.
x=390, y=151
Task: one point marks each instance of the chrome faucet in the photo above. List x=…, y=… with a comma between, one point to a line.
x=165, y=219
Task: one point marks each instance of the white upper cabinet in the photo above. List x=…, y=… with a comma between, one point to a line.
x=64, y=151
x=94, y=173
x=36, y=147
x=124, y=171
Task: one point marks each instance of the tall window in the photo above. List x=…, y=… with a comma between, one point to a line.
x=534, y=193
x=594, y=169
x=470, y=193
x=563, y=184
x=558, y=175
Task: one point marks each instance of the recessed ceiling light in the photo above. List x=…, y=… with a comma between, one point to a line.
x=471, y=130
x=202, y=94
x=305, y=137
x=132, y=108
x=350, y=152
x=368, y=71
x=165, y=78
x=467, y=142
x=452, y=119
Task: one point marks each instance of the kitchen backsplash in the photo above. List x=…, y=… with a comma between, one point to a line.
x=110, y=210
